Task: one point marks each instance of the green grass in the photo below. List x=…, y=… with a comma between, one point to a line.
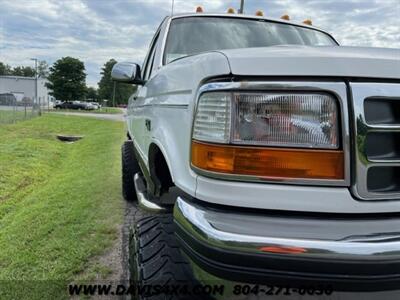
x=103, y=110
x=60, y=204
x=9, y=116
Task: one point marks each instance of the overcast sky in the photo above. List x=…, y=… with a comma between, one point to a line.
x=97, y=30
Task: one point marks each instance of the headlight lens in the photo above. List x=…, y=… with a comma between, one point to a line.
x=304, y=120
x=288, y=120
x=213, y=118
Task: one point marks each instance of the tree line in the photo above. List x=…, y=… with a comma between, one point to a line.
x=24, y=71
x=67, y=81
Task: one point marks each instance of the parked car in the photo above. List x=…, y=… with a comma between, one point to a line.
x=74, y=105
x=96, y=105
x=58, y=104
x=271, y=151
x=89, y=106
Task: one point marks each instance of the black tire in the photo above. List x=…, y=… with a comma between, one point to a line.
x=130, y=167
x=155, y=258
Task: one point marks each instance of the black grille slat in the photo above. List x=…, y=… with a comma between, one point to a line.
x=382, y=111
x=383, y=146
x=383, y=179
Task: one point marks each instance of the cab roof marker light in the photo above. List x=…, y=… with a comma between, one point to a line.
x=307, y=22
x=259, y=13
x=231, y=10
x=285, y=17
x=199, y=9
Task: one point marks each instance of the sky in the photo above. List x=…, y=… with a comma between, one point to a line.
x=98, y=30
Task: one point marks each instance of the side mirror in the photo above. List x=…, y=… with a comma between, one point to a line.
x=127, y=72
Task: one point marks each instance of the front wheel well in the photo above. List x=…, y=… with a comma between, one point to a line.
x=159, y=170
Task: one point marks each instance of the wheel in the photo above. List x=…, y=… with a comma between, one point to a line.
x=155, y=258
x=130, y=167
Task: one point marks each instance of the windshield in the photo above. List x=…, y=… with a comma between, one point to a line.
x=193, y=35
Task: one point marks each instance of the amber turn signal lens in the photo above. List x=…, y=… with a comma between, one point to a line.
x=269, y=163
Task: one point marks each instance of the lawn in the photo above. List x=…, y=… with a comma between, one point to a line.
x=60, y=203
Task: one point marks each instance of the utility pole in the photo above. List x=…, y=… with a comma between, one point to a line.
x=36, y=85
x=241, y=9
x=114, y=94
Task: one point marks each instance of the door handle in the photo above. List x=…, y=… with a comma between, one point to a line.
x=148, y=124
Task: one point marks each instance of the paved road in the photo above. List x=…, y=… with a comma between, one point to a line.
x=112, y=117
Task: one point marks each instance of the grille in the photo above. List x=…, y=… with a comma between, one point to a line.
x=377, y=140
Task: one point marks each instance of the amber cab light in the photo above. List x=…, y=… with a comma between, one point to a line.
x=285, y=17
x=269, y=162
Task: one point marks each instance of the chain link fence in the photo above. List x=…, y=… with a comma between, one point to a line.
x=12, y=111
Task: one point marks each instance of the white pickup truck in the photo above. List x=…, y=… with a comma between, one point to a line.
x=268, y=154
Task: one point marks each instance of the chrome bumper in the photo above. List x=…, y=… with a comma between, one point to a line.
x=357, y=250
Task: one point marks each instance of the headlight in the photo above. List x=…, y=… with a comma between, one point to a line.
x=213, y=118
x=257, y=134
x=287, y=120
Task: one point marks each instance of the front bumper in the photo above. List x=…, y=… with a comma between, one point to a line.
x=358, y=254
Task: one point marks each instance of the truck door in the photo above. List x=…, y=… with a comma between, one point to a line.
x=139, y=121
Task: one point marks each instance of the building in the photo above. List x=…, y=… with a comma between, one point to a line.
x=23, y=89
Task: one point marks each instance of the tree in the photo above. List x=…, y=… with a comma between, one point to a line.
x=92, y=94
x=23, y=71
x=106, y=86
x=67, y=79
x=43, y=69
x=5, y=69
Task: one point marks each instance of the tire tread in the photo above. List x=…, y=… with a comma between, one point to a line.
x=130, y=167
x=156, y=258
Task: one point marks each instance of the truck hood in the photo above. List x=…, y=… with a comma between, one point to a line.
x=337, y=61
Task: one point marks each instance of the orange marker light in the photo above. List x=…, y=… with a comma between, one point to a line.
x=199, y=9
x=259, y=13
x=285, y=17
x=269, y=163
x=307, y=22
x=283, y=250
x=231, y=10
